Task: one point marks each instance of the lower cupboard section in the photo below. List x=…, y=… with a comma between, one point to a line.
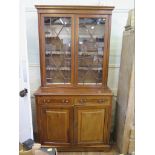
x=72, y=127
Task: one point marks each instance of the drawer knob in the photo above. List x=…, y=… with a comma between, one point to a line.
x=101, y=100
x=82, y=100
x=65, y=101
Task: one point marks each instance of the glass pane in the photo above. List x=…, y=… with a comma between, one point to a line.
x=91, y=49
x=58, y=49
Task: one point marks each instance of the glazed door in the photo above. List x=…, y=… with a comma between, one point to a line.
x=57, y=125
x=57, y=56
x=91, y=49
x=90, y=124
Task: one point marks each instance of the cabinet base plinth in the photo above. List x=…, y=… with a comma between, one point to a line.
x=75, y=148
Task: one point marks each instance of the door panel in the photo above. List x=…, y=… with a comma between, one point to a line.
x=57, y=125
x=25, y=111
x=90, y=49
x=57, y=34
x=54, y=126
x=90, y=124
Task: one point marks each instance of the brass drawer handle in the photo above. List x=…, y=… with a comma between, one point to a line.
x=101, y=101
x=46, y=101
x=82, y=101
x=65, y=101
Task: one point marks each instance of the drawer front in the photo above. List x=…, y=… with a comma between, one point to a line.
x=75, y=100
x=82, y=100
x=55, y=100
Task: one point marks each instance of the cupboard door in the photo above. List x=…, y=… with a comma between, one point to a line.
x=90, y=124
x=57, y=124
x=57, y=51
x=91, y=49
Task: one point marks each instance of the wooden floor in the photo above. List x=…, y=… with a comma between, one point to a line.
x=87, y=153
x=112, y=152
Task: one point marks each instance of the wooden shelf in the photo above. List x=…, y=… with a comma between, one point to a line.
x=90, y=53
x=68, y=68
x=69, y=53
x=87, y=68
x=64, y=36
x=58, y=52
x=55, y=24
x=60, y=68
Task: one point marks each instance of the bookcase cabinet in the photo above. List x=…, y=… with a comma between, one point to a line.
x=73, y=102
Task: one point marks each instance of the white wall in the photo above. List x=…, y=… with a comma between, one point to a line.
x=119, y=19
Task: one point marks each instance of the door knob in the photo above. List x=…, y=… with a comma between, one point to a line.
x=23, y=92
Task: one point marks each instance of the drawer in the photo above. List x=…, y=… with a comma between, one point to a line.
x=92, y=100
x=54, y=100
